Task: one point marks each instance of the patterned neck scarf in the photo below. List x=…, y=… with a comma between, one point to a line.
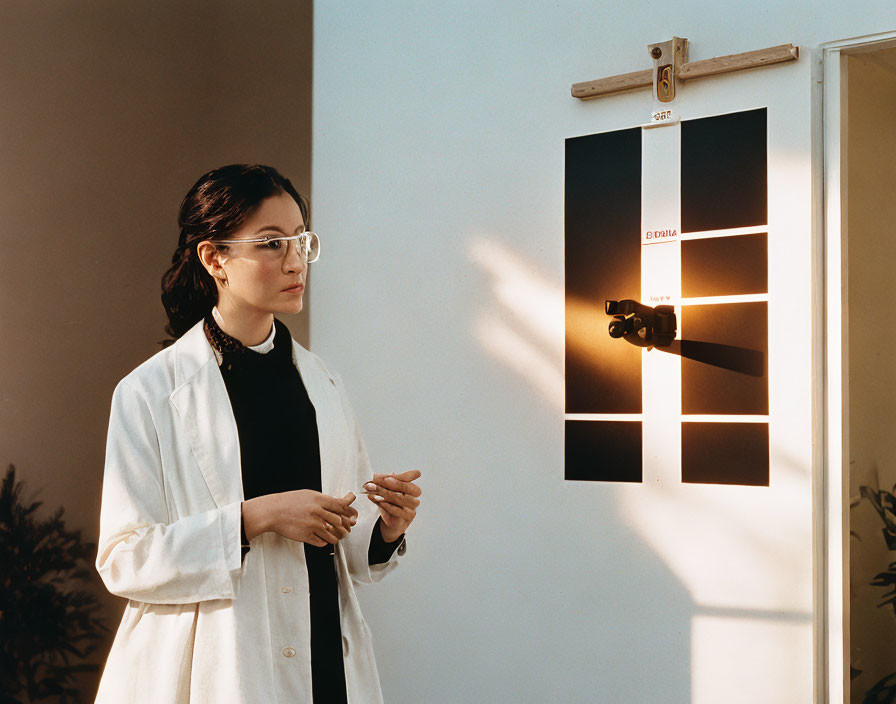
x=234, y=351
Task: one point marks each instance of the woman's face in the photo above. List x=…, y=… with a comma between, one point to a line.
x=262, y=277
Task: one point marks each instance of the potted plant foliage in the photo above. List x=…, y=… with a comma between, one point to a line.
x=48, y=624
x=884, y=502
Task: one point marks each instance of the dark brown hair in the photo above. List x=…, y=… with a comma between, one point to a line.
x=217, y=204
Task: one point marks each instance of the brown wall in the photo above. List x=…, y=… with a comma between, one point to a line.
x=870, y=152
x=109, y=112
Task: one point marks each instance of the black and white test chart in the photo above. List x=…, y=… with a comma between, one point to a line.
x=703, y=446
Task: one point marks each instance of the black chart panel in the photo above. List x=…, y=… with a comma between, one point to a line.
x=607, y=451
x=724, y=281
x=725, y=453
x=724, y=171
x=602, y=261
x=724, y=266
x=709, y=389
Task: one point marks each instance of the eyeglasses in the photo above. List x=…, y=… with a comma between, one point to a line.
x=274, y=247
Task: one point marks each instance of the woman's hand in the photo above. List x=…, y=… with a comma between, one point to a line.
x=397, y=497
x=305, y=515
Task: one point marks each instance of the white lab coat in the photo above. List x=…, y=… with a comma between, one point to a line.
x=200, y=625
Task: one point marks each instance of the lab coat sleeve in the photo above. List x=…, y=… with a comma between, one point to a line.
x=357, y=543
x=142, y=554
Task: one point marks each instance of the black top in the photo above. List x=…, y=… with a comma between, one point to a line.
x=280, y=451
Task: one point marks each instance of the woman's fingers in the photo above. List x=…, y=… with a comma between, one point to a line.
x=327, y=534
x=397, y=498
x=340, y=506
x=316, y=540
x=347, y=509
x=339, y=529
x=398, y=482
x=408, y=476
x=313, y=517
x=394, y=497
x=329, y=516
x=338, y=512
x=334, y=525
x=406, y=514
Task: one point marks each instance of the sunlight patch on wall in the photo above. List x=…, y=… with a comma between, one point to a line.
x=523, y=327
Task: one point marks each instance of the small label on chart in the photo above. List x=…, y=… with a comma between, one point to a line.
x=663, y=116
x=657, y=236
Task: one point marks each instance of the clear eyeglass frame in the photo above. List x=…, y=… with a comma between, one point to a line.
x=307, y=244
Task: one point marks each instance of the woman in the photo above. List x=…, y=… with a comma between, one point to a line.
x=232, y=459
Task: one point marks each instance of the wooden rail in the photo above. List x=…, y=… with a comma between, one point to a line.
x=688, y=72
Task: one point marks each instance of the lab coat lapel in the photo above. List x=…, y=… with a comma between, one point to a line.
x=203, y=404
x=322, y=392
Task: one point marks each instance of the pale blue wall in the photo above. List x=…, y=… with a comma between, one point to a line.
x=438, y=144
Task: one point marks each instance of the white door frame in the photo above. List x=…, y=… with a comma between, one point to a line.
x=835, y=491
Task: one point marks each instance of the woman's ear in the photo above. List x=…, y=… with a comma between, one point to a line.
x=212, y=259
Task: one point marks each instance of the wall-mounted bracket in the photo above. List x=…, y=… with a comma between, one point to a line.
x=687, y=70
x=668, y=58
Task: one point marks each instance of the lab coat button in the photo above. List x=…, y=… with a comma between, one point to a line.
x=286, y=590
x=288, y=652
x=345, y=646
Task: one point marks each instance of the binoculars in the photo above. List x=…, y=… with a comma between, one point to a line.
x=642, y=325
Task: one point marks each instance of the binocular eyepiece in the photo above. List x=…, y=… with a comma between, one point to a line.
x=642, y=325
